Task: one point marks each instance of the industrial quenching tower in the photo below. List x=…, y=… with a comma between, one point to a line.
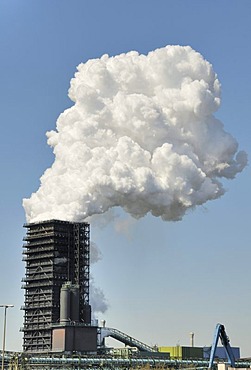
x=57, y=256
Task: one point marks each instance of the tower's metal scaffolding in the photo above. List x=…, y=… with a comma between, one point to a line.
x=55, y=252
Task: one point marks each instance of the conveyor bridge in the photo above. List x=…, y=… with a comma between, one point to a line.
x=126, y=339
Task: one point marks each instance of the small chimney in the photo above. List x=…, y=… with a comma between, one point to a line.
x=192, y=339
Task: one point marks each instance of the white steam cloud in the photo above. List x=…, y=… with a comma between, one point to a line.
x=141, y=135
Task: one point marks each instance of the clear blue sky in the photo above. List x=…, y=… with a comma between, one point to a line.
x=162, y=280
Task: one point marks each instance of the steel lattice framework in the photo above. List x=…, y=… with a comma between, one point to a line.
x=55, y=252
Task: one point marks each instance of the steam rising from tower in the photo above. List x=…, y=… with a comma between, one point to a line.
x=141, y=135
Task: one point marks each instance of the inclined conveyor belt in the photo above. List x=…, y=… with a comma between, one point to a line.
x=126, y=339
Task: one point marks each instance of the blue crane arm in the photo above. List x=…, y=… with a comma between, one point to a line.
x=221, y=333
x=214, y=345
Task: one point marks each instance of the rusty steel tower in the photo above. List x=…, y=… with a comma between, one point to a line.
x=57, y=256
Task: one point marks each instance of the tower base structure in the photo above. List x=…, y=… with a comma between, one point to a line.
x=74, y=338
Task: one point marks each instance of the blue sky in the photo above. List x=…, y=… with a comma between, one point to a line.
x=162, y=280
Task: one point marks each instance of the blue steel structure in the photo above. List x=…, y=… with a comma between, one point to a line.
x=221, y=333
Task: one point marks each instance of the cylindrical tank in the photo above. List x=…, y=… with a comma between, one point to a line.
x=65, y=303
x=75, y=303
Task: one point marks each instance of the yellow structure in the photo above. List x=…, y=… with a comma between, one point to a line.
x=183, y=353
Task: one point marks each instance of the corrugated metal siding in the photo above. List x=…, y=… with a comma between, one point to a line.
x=192, y=352
x=175, y=352
x=181, y=353
x=221, y=352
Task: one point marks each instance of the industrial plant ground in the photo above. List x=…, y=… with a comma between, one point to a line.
x=21, y=361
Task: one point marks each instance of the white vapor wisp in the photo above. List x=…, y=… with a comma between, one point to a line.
x=97, y=298
x=141, y=135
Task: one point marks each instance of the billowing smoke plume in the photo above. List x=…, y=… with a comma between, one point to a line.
x=141, y=135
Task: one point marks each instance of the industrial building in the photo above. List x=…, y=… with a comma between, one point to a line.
x=58, y=328
x=182, y=352
x=57, y=313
